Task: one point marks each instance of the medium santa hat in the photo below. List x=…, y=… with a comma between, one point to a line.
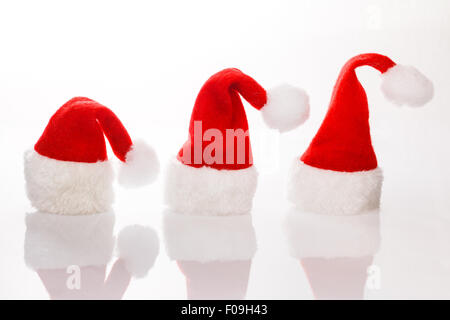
x=67, y=172
x=338, y=175
x=209, y=192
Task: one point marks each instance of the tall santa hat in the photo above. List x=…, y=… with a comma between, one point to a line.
x=67, y=172
x=210, y=180
x=338, y=174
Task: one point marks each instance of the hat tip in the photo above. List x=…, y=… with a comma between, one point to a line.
x=287, y=107
x=405, y=85
x=141, y=166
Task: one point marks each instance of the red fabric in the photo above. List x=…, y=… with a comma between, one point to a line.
x=343, y=141
x=75, y=133
x=219, y=106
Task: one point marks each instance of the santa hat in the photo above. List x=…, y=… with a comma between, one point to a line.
x=55, y=241
x=67, y=172
x=210, y=180
x=338, y=174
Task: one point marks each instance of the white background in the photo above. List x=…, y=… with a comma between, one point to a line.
x=147, y=60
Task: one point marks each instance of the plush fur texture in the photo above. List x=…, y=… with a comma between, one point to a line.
x=312, y=235
x=139, y=247
x=141, y=166
x=205, y=239
x=55, y=241
x=287, y=107
x=68, y=188
x=330, y=192
x=207, y=191
x=406, y=85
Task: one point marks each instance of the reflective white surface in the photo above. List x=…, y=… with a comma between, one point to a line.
x=148, y=61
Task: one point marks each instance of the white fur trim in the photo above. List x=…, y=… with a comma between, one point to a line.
x=332, y=192
x=141, y=166
x=287, y=107
x=204, y=239
x=323, y=236
x=139, y=247
x=54, y=241
x=68, y=188
x=207, y=191
x=406, y=85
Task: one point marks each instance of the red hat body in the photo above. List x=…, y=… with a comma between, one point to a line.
x=76, y=133
x=343, y=141
x=219, y=108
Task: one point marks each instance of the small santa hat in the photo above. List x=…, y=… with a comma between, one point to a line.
x=338, y=174
x=67, y=172
x=209, y=180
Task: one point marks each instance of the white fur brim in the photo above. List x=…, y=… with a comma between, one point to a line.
x=55, y=241
x=205, y=239
x=334, y=193
x=210, y=192
x=312, y=235
x=68, y=188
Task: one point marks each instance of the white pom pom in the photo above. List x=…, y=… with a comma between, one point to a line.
x=287, y=107
x=406, y=85
x=138, y=246
x=141, y=166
